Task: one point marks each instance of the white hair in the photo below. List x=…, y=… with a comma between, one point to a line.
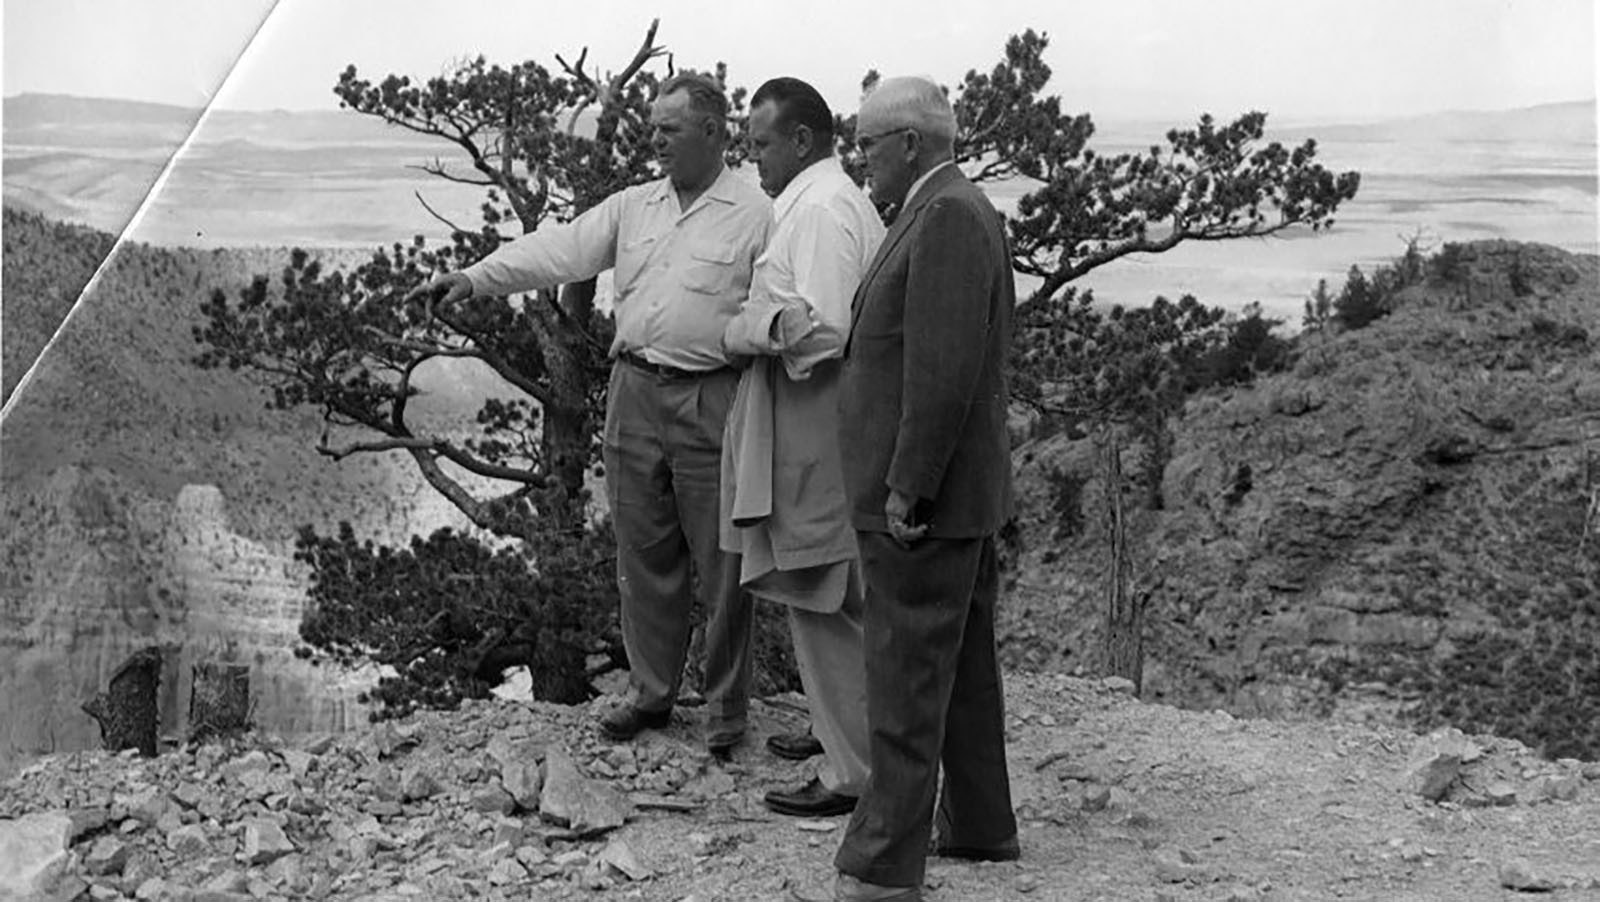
x=912, y=102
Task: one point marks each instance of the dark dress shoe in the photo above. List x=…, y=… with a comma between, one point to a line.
x=721, y=745
x=1006, y=851
x=794, y=746
x=852, y=890
x=849, y=889
x=810, y=800
x=625, y=722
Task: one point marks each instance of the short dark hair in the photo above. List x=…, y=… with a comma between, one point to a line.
x=705, y=94
x=797, y=104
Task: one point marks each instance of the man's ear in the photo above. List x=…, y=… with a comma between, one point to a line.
x=913, y=144
x=805, y=141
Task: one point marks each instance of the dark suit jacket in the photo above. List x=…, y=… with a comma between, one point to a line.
x=923, y=394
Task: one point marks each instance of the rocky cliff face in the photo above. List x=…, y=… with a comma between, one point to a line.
x=113, y=529
x=1403, y=490
x=105, y=570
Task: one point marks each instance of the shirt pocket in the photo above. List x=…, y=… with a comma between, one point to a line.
x=709, y=269
x=632, y=257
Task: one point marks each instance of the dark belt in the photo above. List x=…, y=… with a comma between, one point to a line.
x=662, y=370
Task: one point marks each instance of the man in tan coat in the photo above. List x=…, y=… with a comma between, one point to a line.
x=785, y=511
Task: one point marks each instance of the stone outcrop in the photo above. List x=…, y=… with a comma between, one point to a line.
x=1402, y=489
x=107, y=572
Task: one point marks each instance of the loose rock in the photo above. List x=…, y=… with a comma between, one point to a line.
x=619, y=856
x=33, y=851
x=106, y=857
x=190, y=841
x=1436, y=762
x=582, y=805
x=1519, y=875
x=265, y=842
x=419, y=786
x=523, y=779
x=494, y=800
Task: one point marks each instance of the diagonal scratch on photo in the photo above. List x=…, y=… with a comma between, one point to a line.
x=1136, y=452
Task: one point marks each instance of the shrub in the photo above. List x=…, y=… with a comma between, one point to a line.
x=1448, y=266
x=1359, y=303
x=1066, y=502
x=1540, y=685
x=1248, y=348
x=1319, y=307
x=449, y=613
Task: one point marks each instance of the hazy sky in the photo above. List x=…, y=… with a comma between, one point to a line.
x=1310, y=59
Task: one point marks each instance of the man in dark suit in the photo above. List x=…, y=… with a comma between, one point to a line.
x=927, y=471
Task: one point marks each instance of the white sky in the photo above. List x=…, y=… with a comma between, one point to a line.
x=1169, y=59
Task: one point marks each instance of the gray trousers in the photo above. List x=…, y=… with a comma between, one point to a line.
x=934, y=702
x=828, y=651
x=662, y=449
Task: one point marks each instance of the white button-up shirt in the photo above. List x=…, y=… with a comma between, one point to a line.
x=680, y=275
x=825, y=235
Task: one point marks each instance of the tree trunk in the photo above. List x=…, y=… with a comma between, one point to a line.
x=1123, y=650
x=126, y=711
x=219, y=703
x=568, y=432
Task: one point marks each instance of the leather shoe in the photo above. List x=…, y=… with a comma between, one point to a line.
x=624, y=722
x=849, y=889
x=721, y=744
x=794, y=746
x=1006, y=851
x=810, y=800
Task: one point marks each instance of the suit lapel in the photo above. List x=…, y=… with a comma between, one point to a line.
x=902, y=224
x=897, y=231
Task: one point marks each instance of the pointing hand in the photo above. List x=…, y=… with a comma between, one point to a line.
x=448, y=289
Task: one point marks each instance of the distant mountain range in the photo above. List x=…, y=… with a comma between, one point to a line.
x=1551, y=123
x=337, y=178
x=51, y=118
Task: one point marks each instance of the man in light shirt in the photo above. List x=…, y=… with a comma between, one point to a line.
x=682, y=249
x=783, y=487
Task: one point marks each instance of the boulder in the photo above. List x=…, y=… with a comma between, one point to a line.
x=107, y=857
x=522, y=778
x=34, y=853
x=1519, y=875
x=265, y=842
x=584, y=806
x=1436, y=762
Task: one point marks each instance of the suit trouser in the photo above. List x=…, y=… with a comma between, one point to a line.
x=933, y=695
x=662, y=450
x=828, y=652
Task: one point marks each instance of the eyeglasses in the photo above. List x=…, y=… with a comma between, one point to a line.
x=865, y=143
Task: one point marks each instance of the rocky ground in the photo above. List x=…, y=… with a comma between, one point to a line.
x=1118, y=800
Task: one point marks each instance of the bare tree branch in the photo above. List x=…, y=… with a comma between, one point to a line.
x=436, y=169
x=605, y=95
x=435, y=213
x=576, y=70
x=434, y=447
x=647, y=51
x=477, y=511
x=499, y=364
x=340, y=452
